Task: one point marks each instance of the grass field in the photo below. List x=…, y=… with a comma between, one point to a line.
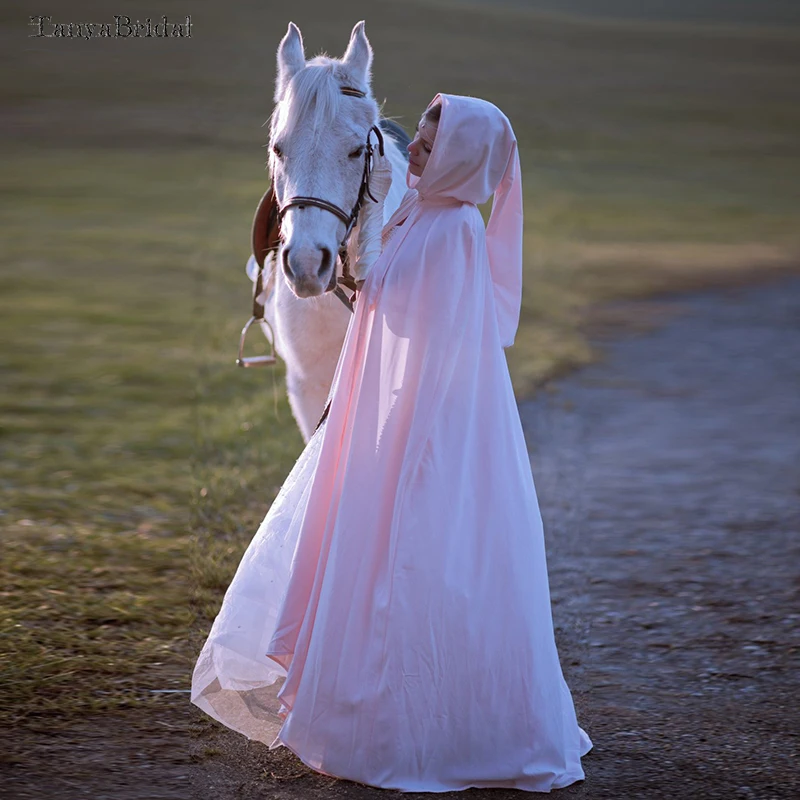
x=137, y=461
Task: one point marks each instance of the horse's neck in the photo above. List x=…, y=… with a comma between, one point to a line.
x=398, y=189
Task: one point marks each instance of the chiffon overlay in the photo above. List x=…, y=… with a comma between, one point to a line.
x=398, y=582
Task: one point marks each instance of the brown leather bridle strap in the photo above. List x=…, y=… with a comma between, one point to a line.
x=302, y=202
x=350, y=219
x=266, y=231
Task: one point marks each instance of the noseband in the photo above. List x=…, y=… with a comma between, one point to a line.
x=350, y=219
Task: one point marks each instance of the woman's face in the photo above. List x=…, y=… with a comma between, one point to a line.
x=420, y=149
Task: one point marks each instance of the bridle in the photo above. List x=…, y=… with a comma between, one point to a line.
x=349, y=220
x=267, y=238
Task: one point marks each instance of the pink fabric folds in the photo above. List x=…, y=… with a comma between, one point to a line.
x=399, y=581
x=474, y=157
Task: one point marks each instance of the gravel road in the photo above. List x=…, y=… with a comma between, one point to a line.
x=669, y=479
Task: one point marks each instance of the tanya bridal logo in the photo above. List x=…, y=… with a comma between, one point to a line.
x=121, y=28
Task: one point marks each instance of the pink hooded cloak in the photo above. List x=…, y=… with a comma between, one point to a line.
x=398, y=582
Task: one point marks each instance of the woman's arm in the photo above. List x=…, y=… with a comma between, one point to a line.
x=371, y=222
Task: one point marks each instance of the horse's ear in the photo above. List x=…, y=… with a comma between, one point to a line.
x=291, y=59
x=358, y=56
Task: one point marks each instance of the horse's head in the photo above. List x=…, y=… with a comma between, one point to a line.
x=317, y=143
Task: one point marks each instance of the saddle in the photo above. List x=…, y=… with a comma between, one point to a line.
x=266, y=233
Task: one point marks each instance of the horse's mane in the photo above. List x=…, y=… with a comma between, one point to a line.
x=312, y=95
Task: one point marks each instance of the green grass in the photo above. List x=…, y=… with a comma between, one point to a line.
x=137, y=460
x=121, y=404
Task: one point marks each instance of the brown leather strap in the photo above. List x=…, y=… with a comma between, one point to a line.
x=266, y=238
x=266, y=232
x=348, y=301
x=301, y=202
x=324, y=415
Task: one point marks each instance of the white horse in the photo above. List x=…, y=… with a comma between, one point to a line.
x=317, y=141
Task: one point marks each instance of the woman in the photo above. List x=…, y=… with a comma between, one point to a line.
x=399, y=580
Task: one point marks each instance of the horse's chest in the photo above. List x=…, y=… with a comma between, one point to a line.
x=310, y=332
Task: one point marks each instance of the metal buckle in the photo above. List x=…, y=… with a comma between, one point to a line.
x=256, y=361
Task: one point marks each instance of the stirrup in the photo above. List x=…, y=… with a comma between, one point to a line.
x=256, y=361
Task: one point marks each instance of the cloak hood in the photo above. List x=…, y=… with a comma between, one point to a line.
x=475, y=156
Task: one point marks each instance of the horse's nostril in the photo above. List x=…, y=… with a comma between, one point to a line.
x=285, y=258
x=326, y=260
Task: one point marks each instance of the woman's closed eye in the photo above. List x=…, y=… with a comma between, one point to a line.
x=416, y=135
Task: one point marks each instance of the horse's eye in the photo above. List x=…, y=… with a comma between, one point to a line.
x=357, y=153
x=277, y=150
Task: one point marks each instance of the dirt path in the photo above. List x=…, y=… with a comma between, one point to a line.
x=669, y=480
x=669, y=477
